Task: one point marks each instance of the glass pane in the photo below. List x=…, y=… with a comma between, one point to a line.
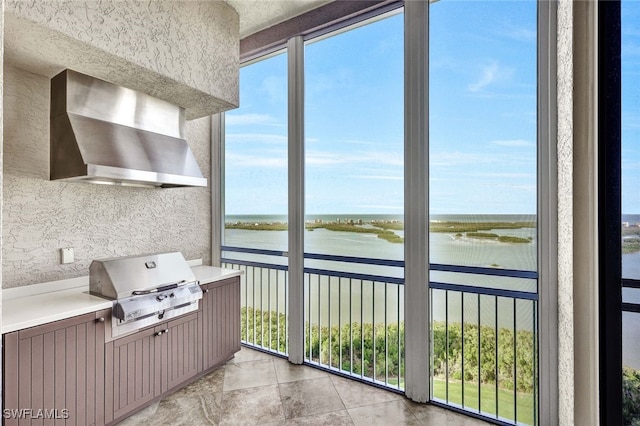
x=483, y=204
x=354, y=122
x=256, y=158
x=631, y=208
x=354, y=141
x=256, y=201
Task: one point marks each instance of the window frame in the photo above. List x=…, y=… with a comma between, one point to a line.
x=334, y=17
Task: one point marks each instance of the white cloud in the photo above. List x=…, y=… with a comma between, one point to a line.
x=521, y=33
x=369, y=158
x=513, y=143
x=240, y=160
x=507, y=175
x=490, y=74
x=256, y=138
x=450, y=159
x=248, y=119
x=376, y=177
x=381, y=207
x=323, y=158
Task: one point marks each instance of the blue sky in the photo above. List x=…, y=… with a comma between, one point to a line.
x=631, y=107
x=482, y=118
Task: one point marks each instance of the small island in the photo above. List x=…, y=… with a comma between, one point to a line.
x=384, y=229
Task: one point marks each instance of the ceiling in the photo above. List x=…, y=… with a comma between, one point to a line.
x=256, y=15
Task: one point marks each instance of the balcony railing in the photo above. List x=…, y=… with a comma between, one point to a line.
x=354, y=322
x=484, y=347
x=484, y=359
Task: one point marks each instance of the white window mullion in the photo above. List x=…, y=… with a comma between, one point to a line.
x=416, y=199
x=295, y=51
x=217, y=187
x=547, y=215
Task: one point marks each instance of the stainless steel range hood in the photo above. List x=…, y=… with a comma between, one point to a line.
x=103, y=133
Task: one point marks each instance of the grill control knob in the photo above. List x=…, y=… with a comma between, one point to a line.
x=161, y=297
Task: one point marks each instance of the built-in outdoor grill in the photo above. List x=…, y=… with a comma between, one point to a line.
x=145, y=289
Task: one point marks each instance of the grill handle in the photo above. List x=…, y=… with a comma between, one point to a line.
x=158, y=289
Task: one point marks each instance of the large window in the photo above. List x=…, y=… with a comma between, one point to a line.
x=354, y=199
x=255, y=194
x=483, y=205
x=349, y=280
x=256, y=158
x=631, y=210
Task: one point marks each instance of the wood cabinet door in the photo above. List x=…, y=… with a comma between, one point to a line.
x=132, y=371
x=221, y=321
x=54, y=373
x=181, y=357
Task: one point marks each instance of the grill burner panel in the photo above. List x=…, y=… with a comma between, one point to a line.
x=146, y=289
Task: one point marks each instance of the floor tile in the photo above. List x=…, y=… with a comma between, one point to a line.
x=436, y=416
x=209, y=383
x=249, y=374
x=385, y=413
x=140, y=417
x=258, y=405
x=257, y=388
x=185, y=411
x=309, y=397
x=337, y=418
x=355, y=394
x=247, y=354
x=288, y=372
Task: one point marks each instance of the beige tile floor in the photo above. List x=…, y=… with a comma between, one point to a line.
x=255, y=388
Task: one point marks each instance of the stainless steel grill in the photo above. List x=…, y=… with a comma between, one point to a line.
x=145, y=289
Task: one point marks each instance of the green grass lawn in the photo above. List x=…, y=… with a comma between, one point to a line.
x=488, y=400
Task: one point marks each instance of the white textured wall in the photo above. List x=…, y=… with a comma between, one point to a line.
x=193, y=42
x=184, y=52
x=41, y=216
x=565, y=213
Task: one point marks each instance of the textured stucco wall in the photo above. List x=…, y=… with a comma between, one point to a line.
x=98, y=221
x=193, y=42
x=565, y=212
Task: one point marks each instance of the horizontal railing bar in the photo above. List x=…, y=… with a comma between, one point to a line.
x=355, y=276
x=490, y=419
x=279, y=253
x=631, y=307
x=514, y=294
x=347, y=375
x=256, y=264
x=477, y=270
x=264, y=350
x=630, y=283
x=354, y=259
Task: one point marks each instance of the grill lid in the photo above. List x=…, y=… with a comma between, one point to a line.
x=122, y=277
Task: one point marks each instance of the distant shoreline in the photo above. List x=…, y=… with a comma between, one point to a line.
x=384, y=229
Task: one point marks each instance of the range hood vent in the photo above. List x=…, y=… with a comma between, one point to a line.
x=103, y=133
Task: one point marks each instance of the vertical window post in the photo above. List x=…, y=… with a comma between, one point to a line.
x=416, y=199
x=547, y=214
x=295, y=47
x=217, y=187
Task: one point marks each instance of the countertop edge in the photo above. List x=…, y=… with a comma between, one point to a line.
x=74, y=294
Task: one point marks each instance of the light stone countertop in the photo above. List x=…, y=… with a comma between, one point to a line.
x=38, y=304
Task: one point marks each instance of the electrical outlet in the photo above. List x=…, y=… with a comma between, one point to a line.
x=66, y=255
